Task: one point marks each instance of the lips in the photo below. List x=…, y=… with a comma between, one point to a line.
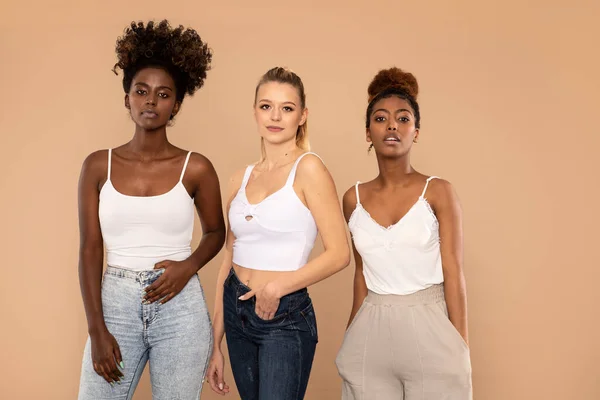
x=149, y=114
x=391, y=138
x=274, y=128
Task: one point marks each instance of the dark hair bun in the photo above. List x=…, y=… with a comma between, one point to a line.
x=393, y=78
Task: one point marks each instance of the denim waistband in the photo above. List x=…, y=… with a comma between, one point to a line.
x=138, y=276
x=234, y=282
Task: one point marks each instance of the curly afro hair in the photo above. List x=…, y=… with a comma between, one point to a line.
x=394, y=82
x=179, y=50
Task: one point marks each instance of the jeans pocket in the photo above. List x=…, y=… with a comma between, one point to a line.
x=280, y=314
x=308, y=314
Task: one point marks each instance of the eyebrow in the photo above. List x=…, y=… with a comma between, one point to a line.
x=399, y=110
x=146, y=85
x=285, y=102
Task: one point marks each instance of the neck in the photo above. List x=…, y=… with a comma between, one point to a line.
x=277, y=155
x=394, y=171
x=149, y=144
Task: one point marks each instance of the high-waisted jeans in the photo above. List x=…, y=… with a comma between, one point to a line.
x=175, y=338
x=270, y=360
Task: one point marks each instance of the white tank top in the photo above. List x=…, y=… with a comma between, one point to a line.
x=404, y=257
x=140, y=231
x=276, y=234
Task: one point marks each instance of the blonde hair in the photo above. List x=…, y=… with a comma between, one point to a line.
x=285, y=75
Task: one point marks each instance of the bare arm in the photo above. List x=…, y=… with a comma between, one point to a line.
x=449, y=214
x=218, y=325
x=216, y=367
x=91, y=248
x=105, y=351
x=360, y=285
x=322, y=201
x=209, y=206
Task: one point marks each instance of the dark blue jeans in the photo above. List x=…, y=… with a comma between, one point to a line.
x=270, y=360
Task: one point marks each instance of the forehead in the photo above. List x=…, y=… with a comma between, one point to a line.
x=278, y=93
x=153, y=76
x=392, y=104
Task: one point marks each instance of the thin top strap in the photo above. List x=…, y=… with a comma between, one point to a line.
x=292, y=176
x=427, y=184
x=249, y=169
x=109, y=163
x=187, y=158
x=357, y=196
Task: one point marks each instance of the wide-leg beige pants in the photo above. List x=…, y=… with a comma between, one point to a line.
x=404, y=348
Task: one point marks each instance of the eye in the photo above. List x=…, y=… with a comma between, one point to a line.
x=141, y=92
x=404, y=119
x=379, y=119
x=288, y=109
x=264, y=106
x=164, y=95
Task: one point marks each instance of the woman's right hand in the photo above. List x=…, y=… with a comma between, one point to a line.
x=106, y=357
x=215, y=373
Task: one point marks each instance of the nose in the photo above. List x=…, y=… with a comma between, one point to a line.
x=150, y=100
x=392, y=127
x=276, y=114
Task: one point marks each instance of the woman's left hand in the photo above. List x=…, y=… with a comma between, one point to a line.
x=177, y=274
x=267, y=300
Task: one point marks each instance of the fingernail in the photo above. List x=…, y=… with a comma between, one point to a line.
x=122, y=364
x=220, y=386
x=112, y=384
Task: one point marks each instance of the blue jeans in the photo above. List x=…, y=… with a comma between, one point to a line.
x=269, y=359
x=175, y=337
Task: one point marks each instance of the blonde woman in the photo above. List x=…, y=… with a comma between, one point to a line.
x=276, y=208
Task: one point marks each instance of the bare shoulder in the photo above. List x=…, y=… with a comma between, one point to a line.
x=95, y=165
x=441, y=193
x=311, y=166
x=349, y=201
x=237, y=177
x=199, y=165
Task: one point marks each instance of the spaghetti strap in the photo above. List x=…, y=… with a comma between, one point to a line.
x=427, y=184
x=292, y=175
x=109, y=164
x=247, y=173
x=187, y=158
x=357, y=195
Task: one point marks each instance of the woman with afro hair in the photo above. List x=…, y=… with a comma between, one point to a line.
x=137, y=202
x=407, y=331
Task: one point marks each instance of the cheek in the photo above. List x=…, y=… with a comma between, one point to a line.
x=377, y=130
x=293, y=118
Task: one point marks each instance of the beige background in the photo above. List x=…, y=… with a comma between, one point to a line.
x=509, y=97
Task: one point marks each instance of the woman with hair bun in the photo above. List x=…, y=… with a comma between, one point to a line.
x=407, y=332
x=137, y=201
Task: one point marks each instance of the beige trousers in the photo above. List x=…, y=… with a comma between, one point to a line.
x=404, y=348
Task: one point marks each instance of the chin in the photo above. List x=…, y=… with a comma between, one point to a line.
x=277, y=138
x=392, y=153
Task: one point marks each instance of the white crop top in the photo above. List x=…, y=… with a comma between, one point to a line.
x=140, y=231
x=404, y=257
x=276, y=234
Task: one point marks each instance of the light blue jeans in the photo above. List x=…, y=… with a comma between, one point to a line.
x=175, y=337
